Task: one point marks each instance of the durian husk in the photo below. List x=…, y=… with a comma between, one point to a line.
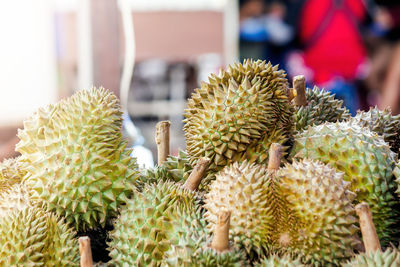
x=275, y=260
x=321, y=228
x=243, y=189
x=367, y=163
x=148, y=225
x=236, y=110
x=11, y=172
x=383, y=122
x=76, y=160
x=321, y=107
x=389, y=258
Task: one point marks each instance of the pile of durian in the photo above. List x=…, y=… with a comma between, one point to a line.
x=271, y=176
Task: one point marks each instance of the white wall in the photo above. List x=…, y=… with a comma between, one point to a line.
x=27, y=58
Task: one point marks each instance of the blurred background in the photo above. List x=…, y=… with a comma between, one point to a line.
x=153, y=53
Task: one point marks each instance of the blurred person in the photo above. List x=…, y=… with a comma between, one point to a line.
x=387, y=19
x=332, y=54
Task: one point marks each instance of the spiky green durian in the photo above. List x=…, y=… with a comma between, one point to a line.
x=235, y=110
x=192, y=246
x=383, y=123
x=366, y=161
x=321, y=107
x=389, y=258
x=323, y=231
x=148, y=224
x=76, y=158
x=31, y=235
x=243, y=189
x=280, y=261
x=11, y=172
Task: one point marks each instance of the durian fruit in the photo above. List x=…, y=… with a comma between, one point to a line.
x=235, y=110
x=367, y=163
x=76, y=158
x=389, y=258
x=320, y=107
x=323, y=229
x=195, y=249
x=280, y=261
x=11, y=172
x=243, y=189
x=32, y=236
x=149, y=224
x=383, y=123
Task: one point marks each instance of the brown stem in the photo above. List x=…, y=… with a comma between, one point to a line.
x=275, y=156
x=299, y=84
x=370, y=238
x=220, y=241
x=197, y=174
x=162, y=140
x=85, y=251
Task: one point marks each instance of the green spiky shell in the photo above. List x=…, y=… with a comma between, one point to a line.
x=76, y=158
x=280, y=261
x=11, y=172
x=236, y=109
x=243, y=189
x=366, y=161
x=148, y=225
x=383, y=123
x=389, y=258
x=324, y=231
x=31, y=235
x=321, y=107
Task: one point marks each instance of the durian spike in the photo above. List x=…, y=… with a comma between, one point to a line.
x=299, y=84
x=85, y=251
x=220, y=241
x=162, y=140
x=275, y=156
x=197, y=174
x=370, y=238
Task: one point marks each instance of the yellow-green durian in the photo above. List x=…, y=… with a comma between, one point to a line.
x=389, y=258
x=11, y=172
x=367, y=163
x=232, y=112
x=322, y=230
x=280, y=261
x=76, y=160
x=383, y=122
x=30, y=235
x=243, y=189
x=149, y=225
x=322, y=106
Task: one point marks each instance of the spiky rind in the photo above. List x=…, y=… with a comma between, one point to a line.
x=31, y=236
x=235, y=109
x=280, y=261
x=147, y=226
x=11, y=172
x=389, y=258
x=367, y=163
x=76, y=158
x=321, y=107
x=383, y=123
x=324, y=230
x=243, y=189
x=16, y=197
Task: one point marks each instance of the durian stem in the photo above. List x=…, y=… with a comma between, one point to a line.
x=368, y=231
x=299, y=84
x=275, y=156
x=194, y=179
x=220, y=241
x=162, y=140
x=85, y=251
